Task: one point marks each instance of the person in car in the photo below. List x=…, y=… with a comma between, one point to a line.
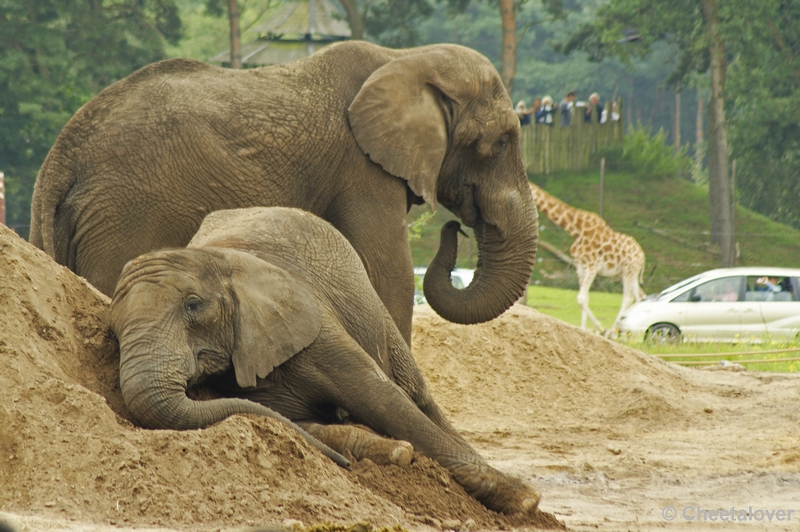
x=729, y=291
x=768, y=284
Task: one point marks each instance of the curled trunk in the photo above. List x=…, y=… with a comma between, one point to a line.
x=159, y=401
x=505, y=262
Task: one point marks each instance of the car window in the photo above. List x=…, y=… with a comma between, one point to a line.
x=668, y=292
x=725, y=289
x=769, y=288
x=683, y=298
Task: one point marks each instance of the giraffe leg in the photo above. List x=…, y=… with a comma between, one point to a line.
x=628, y=295
x=631, y=292
x=586, y=277
x=639, y=295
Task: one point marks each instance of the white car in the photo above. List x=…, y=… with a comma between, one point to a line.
x=460, y=277
x=749, y=304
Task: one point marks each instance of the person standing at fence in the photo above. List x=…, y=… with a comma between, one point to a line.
x=566, y=106
x=535, y=107
x=523, y=113
x=546, y=112
x=594, y=103
x=614, y=113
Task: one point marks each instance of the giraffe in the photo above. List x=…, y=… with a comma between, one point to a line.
x=597, y=250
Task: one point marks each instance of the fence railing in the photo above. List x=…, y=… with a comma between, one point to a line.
x=548, y=148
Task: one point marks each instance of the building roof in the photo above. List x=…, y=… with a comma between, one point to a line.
x=298, y=29
x=299, y=19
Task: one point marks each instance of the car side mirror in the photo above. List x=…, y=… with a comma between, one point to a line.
x=695, y=298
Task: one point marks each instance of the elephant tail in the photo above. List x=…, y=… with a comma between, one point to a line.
x=52, y=186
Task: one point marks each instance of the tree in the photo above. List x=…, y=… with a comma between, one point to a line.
x=395, y=23
x=236, y=45
x=763, y=87
x=54, y=56
x=694, y=29
x=508, y=63
x=354, y=18
x=509, y=10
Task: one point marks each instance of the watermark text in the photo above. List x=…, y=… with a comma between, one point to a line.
x=732, y=514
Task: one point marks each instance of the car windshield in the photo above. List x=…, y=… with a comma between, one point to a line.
x=670, y=291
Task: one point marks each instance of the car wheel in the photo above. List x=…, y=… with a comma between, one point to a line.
x=664, y=333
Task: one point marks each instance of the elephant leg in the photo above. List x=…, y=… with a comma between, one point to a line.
x=352, y=380
x=383, y=248
x=406, y=375
x=362, y=443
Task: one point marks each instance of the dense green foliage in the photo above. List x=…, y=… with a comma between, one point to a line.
x=54, y=56
x=648, y=155
x=762, y=87
x=541, y=70
x=764, y=102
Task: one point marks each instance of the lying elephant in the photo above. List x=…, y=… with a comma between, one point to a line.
x=272, y=309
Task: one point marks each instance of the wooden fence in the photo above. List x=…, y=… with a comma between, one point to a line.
x=547, y=148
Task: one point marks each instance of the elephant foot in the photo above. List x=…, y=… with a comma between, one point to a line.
x=517, y=497
x=362, y=443
x=500, y=492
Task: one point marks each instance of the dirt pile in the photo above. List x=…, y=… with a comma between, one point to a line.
x=526, y=369
x=611, y=436
x=69, y=450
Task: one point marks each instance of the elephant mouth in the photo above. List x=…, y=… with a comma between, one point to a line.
x=468, y=211
x=209, y=362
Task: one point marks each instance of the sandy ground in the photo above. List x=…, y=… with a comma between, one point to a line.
x=615, y=439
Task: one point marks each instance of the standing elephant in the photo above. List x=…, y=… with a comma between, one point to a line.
x=355, y=134
x=272, y=309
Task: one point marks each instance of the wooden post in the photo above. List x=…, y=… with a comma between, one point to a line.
x=733, y=206
x=602, y=177
x=676, y=128
x=698, y=154
x=2, y=199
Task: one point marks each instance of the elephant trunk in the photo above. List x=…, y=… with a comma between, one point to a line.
x=505, y=262
x=156, y=396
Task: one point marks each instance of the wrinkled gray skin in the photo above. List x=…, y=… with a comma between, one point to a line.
x=355, y=134
x=272, y=308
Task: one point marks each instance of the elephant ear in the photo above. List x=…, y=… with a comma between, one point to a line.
x=277, y=316
x=399, y=118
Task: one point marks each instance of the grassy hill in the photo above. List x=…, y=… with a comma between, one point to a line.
x=669, y=217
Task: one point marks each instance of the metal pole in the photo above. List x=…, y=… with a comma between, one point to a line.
x=602, y=177
x=2, y=199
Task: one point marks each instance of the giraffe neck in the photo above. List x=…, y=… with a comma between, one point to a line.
x=573, y=221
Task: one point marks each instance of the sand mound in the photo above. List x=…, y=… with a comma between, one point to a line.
x=525, y=370
x=68, y=448
x=610, y=435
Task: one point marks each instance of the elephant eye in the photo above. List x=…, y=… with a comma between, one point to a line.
x=500, y=146
x=192, y=304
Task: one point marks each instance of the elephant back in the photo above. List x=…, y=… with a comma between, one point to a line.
x=312, y=248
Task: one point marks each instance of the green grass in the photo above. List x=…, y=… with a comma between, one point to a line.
x=560, y=303
x=714, y=352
